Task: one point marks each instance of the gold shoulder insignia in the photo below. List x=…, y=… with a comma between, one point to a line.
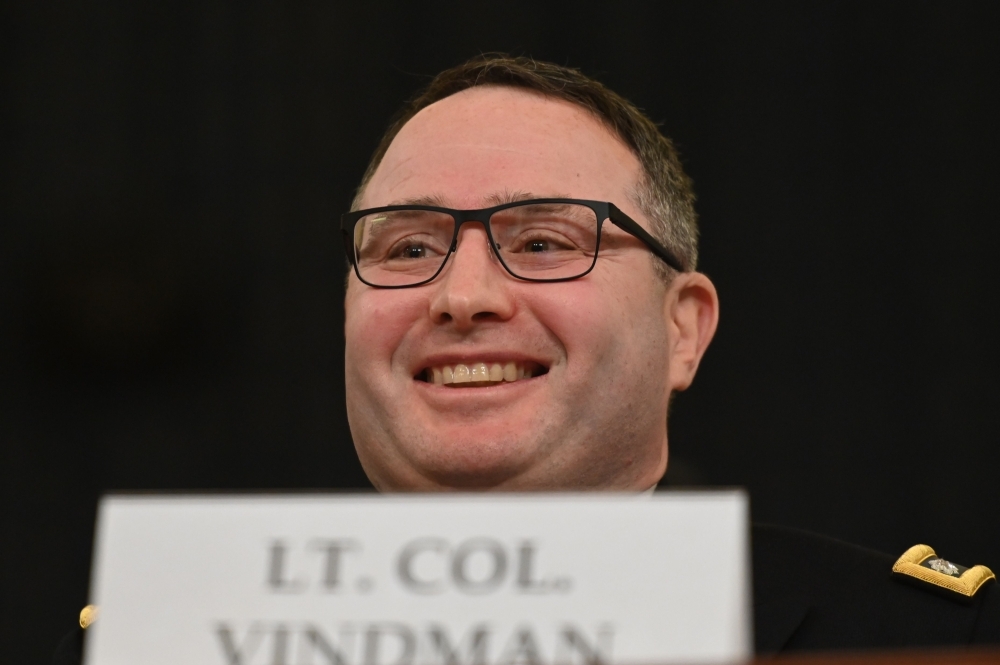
x=88, y=615
x=921, y=565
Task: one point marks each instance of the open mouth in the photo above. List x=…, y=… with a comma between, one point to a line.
x=477, y=374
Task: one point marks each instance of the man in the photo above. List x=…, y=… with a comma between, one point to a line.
x=498, y=342
x=603, y=352
x=523, y=302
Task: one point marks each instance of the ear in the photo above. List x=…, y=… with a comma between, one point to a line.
x=692, y=311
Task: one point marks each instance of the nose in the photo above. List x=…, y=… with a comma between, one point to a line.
x=474, y=287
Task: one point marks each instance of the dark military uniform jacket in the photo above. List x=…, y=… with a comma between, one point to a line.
x=817, y=593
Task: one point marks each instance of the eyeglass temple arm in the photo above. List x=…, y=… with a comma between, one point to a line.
x=348, y=245
x=620, y=219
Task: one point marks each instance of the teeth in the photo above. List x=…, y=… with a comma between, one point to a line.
x=510, y=372
x=477, y=372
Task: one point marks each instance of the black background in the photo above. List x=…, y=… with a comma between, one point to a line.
x=171, y=281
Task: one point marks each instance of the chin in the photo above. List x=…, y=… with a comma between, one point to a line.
x=460, y=465
x=480, y=470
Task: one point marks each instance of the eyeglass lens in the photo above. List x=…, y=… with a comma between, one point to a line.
x=545, y=241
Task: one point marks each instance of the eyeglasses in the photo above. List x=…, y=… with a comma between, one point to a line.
x=537, y=240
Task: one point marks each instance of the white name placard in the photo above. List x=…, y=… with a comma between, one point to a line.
x=422, y=580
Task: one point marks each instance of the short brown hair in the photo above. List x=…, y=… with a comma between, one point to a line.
x=664, y=195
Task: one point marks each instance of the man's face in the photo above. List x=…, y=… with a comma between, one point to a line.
x=593, y=413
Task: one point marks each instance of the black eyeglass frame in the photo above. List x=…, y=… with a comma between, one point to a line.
x=604, y=210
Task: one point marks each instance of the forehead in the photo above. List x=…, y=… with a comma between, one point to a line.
x=467, y=148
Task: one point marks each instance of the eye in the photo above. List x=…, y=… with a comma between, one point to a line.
x=540, y=241
x=414, y=248
x=413, y=252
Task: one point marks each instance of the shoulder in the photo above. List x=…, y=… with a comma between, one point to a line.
x=69, y=651
x=814, y=592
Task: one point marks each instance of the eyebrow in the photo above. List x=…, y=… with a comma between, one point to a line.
x=494, y=199
x=432, y=200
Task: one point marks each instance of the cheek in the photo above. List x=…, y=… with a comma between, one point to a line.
x=603, y=324
x=376, y=323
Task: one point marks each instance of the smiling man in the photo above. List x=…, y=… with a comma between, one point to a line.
x=534, y=344
x=522, y=304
